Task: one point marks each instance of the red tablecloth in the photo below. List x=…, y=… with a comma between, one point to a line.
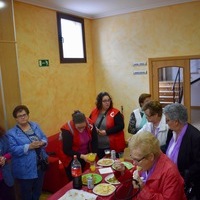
x=69, y=186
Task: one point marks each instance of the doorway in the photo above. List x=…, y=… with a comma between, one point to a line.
x=170, y=81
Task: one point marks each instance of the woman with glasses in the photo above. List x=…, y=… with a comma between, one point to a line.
x=78, y=137
x=158, y=177
x=156, y=123
x=6, y=178
x=184, y=147
x=27, y=145
x=138, y=118
x=110, y=125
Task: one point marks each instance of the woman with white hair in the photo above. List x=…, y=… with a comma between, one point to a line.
x=184, y=147
x=161, y=179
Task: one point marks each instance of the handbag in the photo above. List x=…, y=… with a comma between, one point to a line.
x=43, y=164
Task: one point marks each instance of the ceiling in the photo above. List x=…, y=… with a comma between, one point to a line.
x=94, y=9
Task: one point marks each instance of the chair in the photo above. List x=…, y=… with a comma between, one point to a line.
x=55, y=177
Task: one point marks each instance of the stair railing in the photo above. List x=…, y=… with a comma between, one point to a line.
x=180, y=87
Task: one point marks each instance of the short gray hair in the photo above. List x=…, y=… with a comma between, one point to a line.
x=176, y=111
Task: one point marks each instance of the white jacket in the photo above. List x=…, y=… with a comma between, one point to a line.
x=162, y=130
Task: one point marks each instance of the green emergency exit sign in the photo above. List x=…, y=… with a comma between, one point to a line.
x=43, y=63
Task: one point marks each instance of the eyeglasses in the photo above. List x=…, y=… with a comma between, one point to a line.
x=22, y=116
x=148, y=116
x=106, y=100
x=139, y=160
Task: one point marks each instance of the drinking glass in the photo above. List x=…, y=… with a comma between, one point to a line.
x=107, y=153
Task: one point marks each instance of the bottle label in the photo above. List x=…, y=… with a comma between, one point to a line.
x=76, y=172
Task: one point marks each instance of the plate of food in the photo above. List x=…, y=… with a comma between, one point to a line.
x=104, y=189
x=111, y=179
x=96, y=177
x=74, y=194
x=128, y=165
x=105, y=162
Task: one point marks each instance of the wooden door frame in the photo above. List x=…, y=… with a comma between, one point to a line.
x=186, y=78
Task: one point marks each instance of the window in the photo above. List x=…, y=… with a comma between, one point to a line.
x=71, y=38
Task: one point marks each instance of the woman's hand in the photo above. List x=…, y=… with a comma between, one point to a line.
x=101, y=132
x=84, y=157
x=119, y=166
x=36, y=145
x=137, y=177
x=2, y=161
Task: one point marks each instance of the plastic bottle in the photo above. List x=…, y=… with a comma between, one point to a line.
x=76, y=173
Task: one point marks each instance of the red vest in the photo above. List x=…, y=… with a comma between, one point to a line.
x=117, y=140
x=65, y=159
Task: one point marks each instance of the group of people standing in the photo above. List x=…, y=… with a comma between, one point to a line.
x=178, y=139
x=163, y=144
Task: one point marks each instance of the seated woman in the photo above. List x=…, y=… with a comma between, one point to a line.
x=161, y=179
x=78, y=137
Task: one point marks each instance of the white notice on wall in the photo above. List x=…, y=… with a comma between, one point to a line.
x=139, y=72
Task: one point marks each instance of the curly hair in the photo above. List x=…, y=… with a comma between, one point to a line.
x=99, y=100
x=176, y=111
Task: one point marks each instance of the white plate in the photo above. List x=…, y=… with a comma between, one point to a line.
x=128, y=165
x=104, y=189
x=74, y=194
x=105, y=162
x=111, y=179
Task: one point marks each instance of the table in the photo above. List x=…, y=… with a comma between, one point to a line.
x=69, y=186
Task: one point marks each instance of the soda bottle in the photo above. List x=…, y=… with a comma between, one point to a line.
x=76, y=173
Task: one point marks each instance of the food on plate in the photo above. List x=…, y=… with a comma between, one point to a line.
x=105, y=162
x=96, y=178
x=111, y=179
x=117, y=165
x=104, y=189
x=74, y=194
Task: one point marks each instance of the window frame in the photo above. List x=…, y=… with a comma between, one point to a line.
x=76, y=19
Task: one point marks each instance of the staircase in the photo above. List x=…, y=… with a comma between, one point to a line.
x=167, y=94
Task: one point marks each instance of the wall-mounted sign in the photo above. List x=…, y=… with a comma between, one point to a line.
x=43, y=63
x=137, y=64
x=139, y=72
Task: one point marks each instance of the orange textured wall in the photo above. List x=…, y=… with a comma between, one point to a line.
x=52, y=93
x=120, y=41
x=113, y=45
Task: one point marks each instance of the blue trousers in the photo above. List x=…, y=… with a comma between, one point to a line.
x=30, y=189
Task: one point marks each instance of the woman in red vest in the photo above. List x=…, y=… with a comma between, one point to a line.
x=78, y=137
x=110, y=124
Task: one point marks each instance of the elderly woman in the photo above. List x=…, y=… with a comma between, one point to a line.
x=184, y=146
x=6, y=178
x=110, y=125
x=156, y=123
x=27, y=142
x=161, y=179
x=138, y=118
